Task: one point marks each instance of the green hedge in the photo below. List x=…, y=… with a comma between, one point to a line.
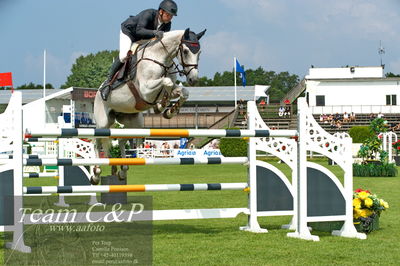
x=233, y=147
x=375, y=170
x=360, y=133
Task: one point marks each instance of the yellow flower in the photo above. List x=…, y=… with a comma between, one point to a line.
x=386, y=205
x=381, y=202
x=368, y=202
x=356, y=213
x=357, y=203
x=365, y=213
x=363, y=195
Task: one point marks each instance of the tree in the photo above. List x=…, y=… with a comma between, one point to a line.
x=91, y=70
x=280, y=83
x=29, y=86
x=391, y=75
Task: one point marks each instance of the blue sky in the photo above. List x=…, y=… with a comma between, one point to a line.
x=279, y=35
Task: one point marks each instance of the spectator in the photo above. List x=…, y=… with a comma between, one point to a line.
x=262, y=104
x=336, y=117
x=321, y=118
x=287, y=111
x=346, y=118
x=241, y=107
x=371, y=116
x=326, y=118
x=338, y=124
x=244, y=122
x=380, y=115
x=281, y=111
x=396, y=127
x=352, y=117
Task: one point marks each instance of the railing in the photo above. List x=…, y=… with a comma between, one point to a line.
x=358, y=109
x=295, y=92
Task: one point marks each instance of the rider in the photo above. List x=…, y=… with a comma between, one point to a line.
x=147, y=24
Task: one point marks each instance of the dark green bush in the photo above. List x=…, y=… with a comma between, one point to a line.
x=233, y=147
x=115, y=151
x=375, y=170
x=360, y=133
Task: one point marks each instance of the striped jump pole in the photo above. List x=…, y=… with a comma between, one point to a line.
x=38, y=175
x=28, y=156
x=129, y=133
x=134, y=188
x=135, y=161
x=41, y=139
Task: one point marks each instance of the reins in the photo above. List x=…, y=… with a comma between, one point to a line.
x=173, y=65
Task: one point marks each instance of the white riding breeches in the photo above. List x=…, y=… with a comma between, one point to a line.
x=125, y=44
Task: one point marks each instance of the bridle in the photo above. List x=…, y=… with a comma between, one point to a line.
x=183, y=63
x=175, y=66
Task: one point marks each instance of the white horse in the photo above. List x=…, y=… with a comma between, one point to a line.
x=153, y=86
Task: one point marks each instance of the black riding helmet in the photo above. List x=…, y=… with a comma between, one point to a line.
x=169, y=6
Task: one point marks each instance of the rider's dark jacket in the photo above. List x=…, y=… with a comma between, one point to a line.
x=143, y=25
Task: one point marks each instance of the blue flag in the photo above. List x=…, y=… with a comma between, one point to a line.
x=242, y=73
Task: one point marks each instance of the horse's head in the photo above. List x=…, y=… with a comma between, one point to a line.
x=188, y=55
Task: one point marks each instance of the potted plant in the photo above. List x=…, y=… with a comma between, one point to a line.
x=367, y=208
x=396, y=146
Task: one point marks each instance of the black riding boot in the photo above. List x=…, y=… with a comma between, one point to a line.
x=106, y=88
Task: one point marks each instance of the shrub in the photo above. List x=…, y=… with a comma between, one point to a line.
x=115, y=151
x=375, y=170
x=360, y=133
x=233, y=147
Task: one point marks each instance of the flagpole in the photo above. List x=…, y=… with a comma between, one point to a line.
x=44, y=73
x=234, y=71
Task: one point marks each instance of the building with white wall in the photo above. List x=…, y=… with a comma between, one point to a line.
x=352, y=89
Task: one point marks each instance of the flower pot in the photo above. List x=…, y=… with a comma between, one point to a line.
x=326, y=226
x=367, y=225
x=397, y=160
x=375, y=162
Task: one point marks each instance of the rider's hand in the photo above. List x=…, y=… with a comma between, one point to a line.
x=159, y=34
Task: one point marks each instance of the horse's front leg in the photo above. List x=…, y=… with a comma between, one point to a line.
x=122, y=174
x=183, y=95
x=151, y=92
x=105, y=144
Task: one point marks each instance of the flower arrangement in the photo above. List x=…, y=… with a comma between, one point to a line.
x=367, y=208
x=396, y=146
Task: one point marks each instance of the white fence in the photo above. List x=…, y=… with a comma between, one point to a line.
x=358, y=109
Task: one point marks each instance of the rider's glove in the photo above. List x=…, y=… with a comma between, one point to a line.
x=159, y=34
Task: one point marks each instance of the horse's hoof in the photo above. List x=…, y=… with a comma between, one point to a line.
x=167, y=114
x=94, y=180
x=97, y=171
x=114, y=170
x=156, y=110
x=122, y=175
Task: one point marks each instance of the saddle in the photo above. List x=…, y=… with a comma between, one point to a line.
x=127, y=73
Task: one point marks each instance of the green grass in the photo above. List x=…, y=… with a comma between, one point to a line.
x=219, y=242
